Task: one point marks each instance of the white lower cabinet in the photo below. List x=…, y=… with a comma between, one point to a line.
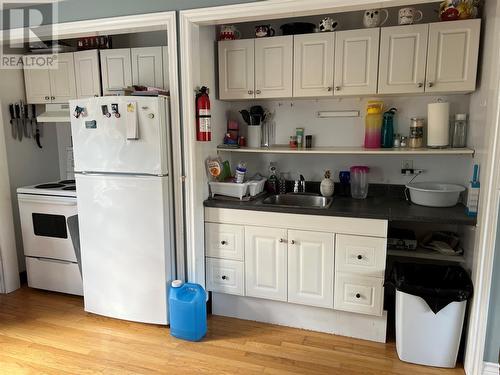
x=266, y=263
x=225, y=276
x=310, y=268
x=359, y=294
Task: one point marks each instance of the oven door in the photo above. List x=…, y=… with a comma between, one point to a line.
x=44, y=226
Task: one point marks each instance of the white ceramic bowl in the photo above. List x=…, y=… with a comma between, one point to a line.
x=434, y=194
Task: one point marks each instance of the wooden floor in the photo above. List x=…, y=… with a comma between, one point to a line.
x=49, y=333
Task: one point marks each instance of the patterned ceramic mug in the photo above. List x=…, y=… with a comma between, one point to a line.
x=262, y=31
x=228, y=32
x=408, y=16
x=372, y=17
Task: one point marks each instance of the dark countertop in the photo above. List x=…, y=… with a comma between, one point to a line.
x=384, y=203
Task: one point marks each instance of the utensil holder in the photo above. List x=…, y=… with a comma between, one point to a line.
x=254, y=135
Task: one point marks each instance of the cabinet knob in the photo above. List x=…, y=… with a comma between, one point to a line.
x=430, y=84
x=420, y=84
x=358, y=296
x=282, y=240
x=250, y=92
x=360, y=257
x=47, y=98
x=224, y=277
x=257, y=92
x=330, y=88
x=337, y=88
x=223, y=243
x=53, y=97
x=292, y=242
x=151, y=116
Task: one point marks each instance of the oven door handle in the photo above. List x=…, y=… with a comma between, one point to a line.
x=49, y=260
x=47, y=199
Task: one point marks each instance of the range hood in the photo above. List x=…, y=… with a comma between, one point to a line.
x=55, y=113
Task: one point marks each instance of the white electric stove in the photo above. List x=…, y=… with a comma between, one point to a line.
x=51, y=260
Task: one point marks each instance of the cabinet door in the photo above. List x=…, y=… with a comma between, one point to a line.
x=273, y=67
x=147, y=66
x=310, y=268
x=62, y=79
x=313, y=64
x=116, y=69
x=403, y=54
x=37, y=83
x=236, y=69
x=166, y=64
x=356, y=62
x=266, y=263
x=452, y=56
x=88, y=76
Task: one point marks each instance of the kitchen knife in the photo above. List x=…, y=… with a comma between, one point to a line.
x=27, y=133
x=12, y=121
x=18, y=122
x=37, y=128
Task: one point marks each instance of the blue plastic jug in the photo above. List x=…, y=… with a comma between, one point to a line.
x=188, y=311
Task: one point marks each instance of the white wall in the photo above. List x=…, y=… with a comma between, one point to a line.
x=27, y=164
x=290, y=114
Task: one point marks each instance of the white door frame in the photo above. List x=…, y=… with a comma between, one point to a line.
x=131, y=24
x=190, y=20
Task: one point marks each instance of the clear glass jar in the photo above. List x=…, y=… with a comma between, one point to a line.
x=459, y=136
x=359, y=182
x=416, y=133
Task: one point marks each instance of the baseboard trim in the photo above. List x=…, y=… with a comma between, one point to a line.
x=490, y=368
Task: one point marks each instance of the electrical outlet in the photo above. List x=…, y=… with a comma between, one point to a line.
x=407, y=164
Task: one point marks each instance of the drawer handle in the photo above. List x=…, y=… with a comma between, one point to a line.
x=358, y=296
x=223, y=243
x=224, y=277
x=360, y=257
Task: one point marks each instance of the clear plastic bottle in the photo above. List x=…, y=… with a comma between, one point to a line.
x=373, y=124
x=459, y=138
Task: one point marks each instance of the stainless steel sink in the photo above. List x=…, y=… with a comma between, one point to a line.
x=298, y=201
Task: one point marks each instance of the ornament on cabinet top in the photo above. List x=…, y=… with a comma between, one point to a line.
x=373, y=17
x=451, y=10
x=229, y=32
x=327, y=186
x=328, y=24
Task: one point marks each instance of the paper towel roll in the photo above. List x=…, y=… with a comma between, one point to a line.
x=438, y=124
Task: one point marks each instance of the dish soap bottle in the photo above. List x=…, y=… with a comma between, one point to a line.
x=373, y=124
x=327, y=186
x=388, y=128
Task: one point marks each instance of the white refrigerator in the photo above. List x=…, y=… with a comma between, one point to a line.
x=125, y=209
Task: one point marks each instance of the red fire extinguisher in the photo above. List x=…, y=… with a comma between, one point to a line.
x=203, y=116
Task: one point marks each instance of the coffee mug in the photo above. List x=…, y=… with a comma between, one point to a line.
x=372, y=17
x=408, y=16
x=228, y=32
x=262, y=31
x=328, y=24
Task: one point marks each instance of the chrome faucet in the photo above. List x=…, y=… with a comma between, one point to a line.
x=299, y=185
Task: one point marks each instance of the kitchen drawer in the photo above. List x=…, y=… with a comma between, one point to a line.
x=225, y=276
x=224, y=241
x=358, y=294
x=55, y=275
x=360, y=255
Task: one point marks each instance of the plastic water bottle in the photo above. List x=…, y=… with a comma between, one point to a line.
x=188, y=311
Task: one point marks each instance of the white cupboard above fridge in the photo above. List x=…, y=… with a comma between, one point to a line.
x=88, y=75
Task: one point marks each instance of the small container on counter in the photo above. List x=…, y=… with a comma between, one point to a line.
x=404, y=142
x=309, y=141
x=459, y=135
x=359, y=182
x=299, y=132
x=241, y=171
x=416, y=133
x=293, y=141
x=397, y=141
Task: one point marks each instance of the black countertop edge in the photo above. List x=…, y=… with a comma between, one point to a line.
x=389, y=207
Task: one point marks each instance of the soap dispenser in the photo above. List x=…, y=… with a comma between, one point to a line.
x=327, y=186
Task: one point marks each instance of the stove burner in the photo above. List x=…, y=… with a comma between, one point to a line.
x=72, y=188
x=67, y=182
x=49, y=186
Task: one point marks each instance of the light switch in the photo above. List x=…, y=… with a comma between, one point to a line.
x=132, y=121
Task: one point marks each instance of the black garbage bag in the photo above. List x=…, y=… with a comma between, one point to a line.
x=438, y=285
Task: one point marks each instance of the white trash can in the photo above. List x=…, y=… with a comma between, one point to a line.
x=425, y=338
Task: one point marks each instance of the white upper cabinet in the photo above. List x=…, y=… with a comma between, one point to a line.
x=310, y=268
x=166, y=65
x=62, y=79
x=266, y=263
x=356, y=62
x=37, y=82
x=452, y=56
x=273, y=67
x=236, y=69
x=54, y=85
x=147, y=66
x=313, y=62
x=116, y=69
x=403, y=54
x=88, y=76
